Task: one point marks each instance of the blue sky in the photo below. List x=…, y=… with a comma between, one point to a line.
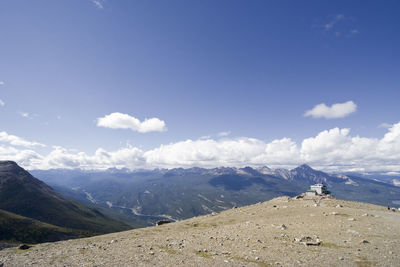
x=248, y=68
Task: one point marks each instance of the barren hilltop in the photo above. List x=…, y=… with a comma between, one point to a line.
x=281, y=232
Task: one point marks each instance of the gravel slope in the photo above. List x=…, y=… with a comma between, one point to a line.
x=273, y=233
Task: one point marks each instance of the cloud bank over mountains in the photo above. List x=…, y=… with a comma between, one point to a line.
x=333, y=149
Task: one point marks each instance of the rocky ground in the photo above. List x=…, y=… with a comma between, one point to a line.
x=283, y=231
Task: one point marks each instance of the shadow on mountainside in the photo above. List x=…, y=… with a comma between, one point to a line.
x=237, y=182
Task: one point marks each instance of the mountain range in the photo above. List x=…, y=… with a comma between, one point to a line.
x=175, y=194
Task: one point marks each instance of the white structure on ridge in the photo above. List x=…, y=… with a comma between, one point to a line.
x=317, y=189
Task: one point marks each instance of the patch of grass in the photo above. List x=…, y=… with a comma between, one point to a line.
x=313, y=249
x=205, y=225
x=260, y=263
x=204, y=254
x=167, y=249
x=21, y=251
x=364, y=262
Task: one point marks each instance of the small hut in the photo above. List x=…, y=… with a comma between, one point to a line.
x=317, y=189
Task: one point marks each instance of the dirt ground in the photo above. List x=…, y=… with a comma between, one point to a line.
x=280, y=232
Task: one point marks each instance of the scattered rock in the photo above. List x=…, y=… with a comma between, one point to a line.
x=351, y=219
x=339, y=206
x=352, y=231
x=24, y=247
x=163, y=222
x=308, y=241
x=247, y=242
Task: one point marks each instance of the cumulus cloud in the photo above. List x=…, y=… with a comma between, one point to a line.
x=338, y=110
x=333, y=149
x=2, y=103
x=26, y=157
x=17, y=141
x=60, y=157
x=206, y=153
x=118, y=120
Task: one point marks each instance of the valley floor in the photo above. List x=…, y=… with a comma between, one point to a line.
x=280, y=232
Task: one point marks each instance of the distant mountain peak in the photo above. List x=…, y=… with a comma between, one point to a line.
x=305, y=167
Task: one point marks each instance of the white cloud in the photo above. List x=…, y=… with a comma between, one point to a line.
x=17, y=141
x=1, y=83
x=206, y=153
x=333, y=149
x=118, y=120
x=98, y=3
x=338, y=110
x=223, y=134
x=26, y=158
x=59, y=157
x=2, y=103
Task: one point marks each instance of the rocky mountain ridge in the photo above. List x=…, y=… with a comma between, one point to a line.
x=24, y=195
